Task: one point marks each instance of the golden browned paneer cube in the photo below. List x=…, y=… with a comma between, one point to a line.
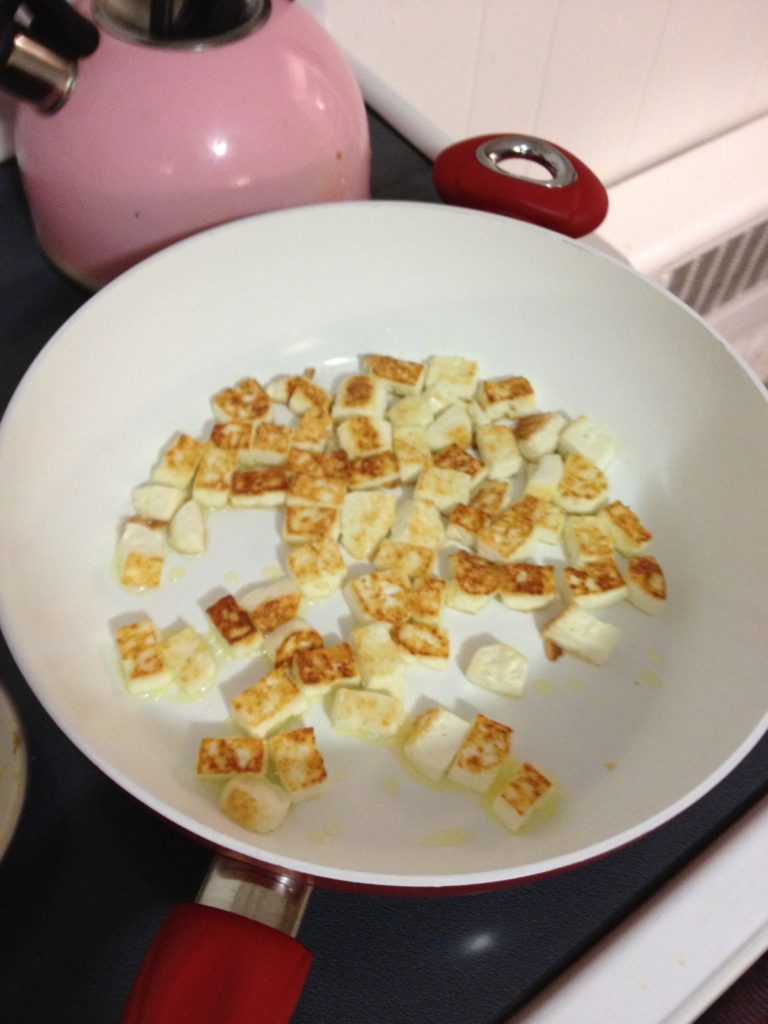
x=360, y=395
x=271, y=604
x=595, y=584
x=313, y=431
x=524, y=586
x=214, y=477
x=427, y=599
x=380, y=596
x=316, y=490
x=366, y=519
x=178, y=464
x=583, y=487
x=481, y=755
x=269, y=446
x=401, y=376
x=646, y=586
x=259, y=488
x=232, y=435
x=474, y=582
x=325, y=465
x=492, y=497
x=512, y=535
x=247, y=400
x=586, y=539
x=295, y=635
x=225, y=756
x=521, y=797
x=235, y=627
x=382, y=470
x=190, y=659
x=141, y=572
x=465, y=523
x=360, y=436
x=141, y=658
x=625, y=529
x=412, y=559
x=319, y=669
x=299, y=763
x=255, y=804
x=423, y=643
x=268, y=703
x=510, y=397
x=457, y=458
x=318, y=568
x=306, y=523
x=308, y=397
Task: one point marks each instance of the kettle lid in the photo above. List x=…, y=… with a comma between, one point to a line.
x=185, y=24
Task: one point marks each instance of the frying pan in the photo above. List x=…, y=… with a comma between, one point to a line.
x=632, y=743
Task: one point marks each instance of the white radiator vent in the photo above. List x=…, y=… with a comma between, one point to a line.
x=723, y=272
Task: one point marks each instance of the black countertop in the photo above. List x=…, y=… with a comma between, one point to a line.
x=91, y=874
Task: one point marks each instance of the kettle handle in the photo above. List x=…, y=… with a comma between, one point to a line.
x=470, y=173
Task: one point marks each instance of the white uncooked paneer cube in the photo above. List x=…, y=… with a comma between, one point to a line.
x=366, y=519
x=595, y=584
x=434, y=740
x=360, y=395
x=583, y=487
x=256, y=804
x=451, y=426
x=419, y=522
x=646, y=586
x=507, y=398
x=543, y=477
x=187, y=530
x=498, y=450
x=286, y=640
x=481, y=755
x=369, y=713
x=586, y=539
x=445, y=488
x=583, y=437
x=359, y=436
x=401, y=376
x=178, y=463
x=157, y=501
x=522, y=796
x=625, y=529
x=268, y=703
x=191, y=660
x=141, y=658
x=411, y=411
x=580, y=633
x=272, y=603
x=411, y=450
x=318, y=568
x=455, y=373
x=500, y=668
x=379, y=660
x=538, y=434
x=298, y=763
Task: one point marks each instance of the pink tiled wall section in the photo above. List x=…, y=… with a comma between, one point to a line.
x=623, y=83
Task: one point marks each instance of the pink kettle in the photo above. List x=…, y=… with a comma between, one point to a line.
x=150, y=120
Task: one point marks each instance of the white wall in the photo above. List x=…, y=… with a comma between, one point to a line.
x=622, y=83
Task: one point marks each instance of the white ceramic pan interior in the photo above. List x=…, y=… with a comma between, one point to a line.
x=632, y=742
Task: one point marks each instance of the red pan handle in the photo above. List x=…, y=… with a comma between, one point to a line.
x=208, y=965
x=469, y=173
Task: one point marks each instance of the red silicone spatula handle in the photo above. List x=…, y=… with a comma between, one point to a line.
x=208, y=966
x=478, y=173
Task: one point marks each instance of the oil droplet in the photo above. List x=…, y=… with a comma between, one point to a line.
x=391, y=785
x=449, y=837
x=272, y=572
x=610, y=765
x=177, y=574
x=332, y=828
x=575, y=685
x=649, y=678
x=545, y=686
x=232, y=578
x=656, y=657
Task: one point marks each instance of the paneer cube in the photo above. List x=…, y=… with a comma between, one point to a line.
x=259, y=488
x=157, y=502
x=412, y=559
x=583, y=487
x=298, y=763
x=625, y=529
x=247, y=401
x=319, y=669
x=512, y=535
x=491, y=497
x=455, y=373
x=525, y=587
x=538, y=434
x=521, y=797
x=382, y=470
x=451, y=426
x=411, y=411
x=268, y=703
x=324, y=465
x=380, y=596
x=187, y=530
x=423, y=643
x=359, y=436
x=360, y=395
x=411, y=450
x=455, y=457
x=226, y=756
x=369, y=713
x=141, y=658
x=366, y=519
x=586, y=539
x=318, y=568
x=549, y=521
x=445, y=488
x=465, y=523
x=594, y=584
x=646, y=586
x=498, y=450
x=233, y=435
x=580, y=633
x=286, y=639
x=314, y=490
x=178, y=463
x=305, y=524
x=426, y=599
x=419, y=522
x=140, y=555
x=254, y=803
x=191, y=661
x=270, y=604
x=507, y=398
x=313, y=431
x=308, y=397
x=213, y=478
x=500, y=668
x=480, y=757
x=378, y=657
x=474, y=582
x=269, y=446
x=140, y=571
x=234, y=626
x=543, y=477
x=434, y=740
x=583, y=437
x=401, y=376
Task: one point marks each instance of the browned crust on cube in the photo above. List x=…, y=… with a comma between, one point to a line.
x=232, y=435
x=329, y=465
x=317, y=490
x=525, y=787
x=469, y=518
x=247, y=400
x=648, y=575
x=453, y=456
x=371, y=468
x=254, y=483
x=475, y=575
x=526, y=578
x=296, y=749
x=628, y=522
x=298, y=640
x=275, y=611
x=493, y=740
x=230, y=620
x=398, y=371
x=506, y=389
x=231, y=755
x=600, y=576
x=321, y=665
